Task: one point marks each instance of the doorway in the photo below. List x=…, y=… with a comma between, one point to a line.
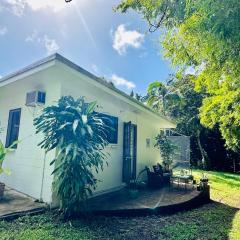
x=129, y=151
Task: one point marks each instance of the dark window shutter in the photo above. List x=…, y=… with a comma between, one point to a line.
x=41, y=97
x=134, y=151
x=13, y=127
x=126, y=174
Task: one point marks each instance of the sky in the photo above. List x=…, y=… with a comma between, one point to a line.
x=112, y=45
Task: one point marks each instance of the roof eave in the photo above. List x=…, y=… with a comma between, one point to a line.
x=70, y=64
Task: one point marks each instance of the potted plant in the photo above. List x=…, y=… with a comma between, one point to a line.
x=3, y=153
x=167, y=150
x=204, y=178
x=135, y=185
x=133, y=190
x=204, y=181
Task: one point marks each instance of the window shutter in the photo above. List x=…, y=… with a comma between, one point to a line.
x=13, y=127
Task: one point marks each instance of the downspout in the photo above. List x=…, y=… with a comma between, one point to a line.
x=43, y=175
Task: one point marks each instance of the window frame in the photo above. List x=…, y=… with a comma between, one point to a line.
x=9, y=140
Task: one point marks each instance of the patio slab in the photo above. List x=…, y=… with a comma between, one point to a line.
x=148, y=201
x=15, y=204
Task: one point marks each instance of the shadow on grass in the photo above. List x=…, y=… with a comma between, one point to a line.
x=212, y=221
x=209, y=222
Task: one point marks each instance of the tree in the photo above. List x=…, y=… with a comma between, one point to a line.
x=78, y=134
x=132, y=94
x=204, y=35
x=178, y=100
x=185, y=111
x=159, y=96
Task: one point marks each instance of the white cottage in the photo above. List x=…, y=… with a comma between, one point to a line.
x=51, y=78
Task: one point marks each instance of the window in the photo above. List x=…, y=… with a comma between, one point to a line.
x=112, y=123
x=13, y=127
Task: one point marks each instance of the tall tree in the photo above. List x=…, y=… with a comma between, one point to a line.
x=204, y=35
x=178, y=100
x=160, y=97
x=185, y=111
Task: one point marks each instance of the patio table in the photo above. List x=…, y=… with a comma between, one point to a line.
x=184, y=178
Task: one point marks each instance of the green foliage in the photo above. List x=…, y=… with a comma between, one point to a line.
x=166, y=147
x=156, y=94
x=3, y=153
x=78, y=134
x=204, y=35
x=160, y=97
x=182, y=103
x=185, y=111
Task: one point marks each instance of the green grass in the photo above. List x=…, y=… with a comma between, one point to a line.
x=225, y=187
x=218, y=220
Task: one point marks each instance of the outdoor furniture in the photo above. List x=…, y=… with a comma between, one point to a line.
x=181, y=179
x=157, y=177
x=166, y=175
x=154, y=180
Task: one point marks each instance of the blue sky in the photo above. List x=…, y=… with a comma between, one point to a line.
x=115, y=46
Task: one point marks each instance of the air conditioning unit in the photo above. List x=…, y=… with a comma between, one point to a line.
x=35, y=98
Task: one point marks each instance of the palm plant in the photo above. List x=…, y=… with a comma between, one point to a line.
x=160, y=97
x=3, y=152
x=78, y=134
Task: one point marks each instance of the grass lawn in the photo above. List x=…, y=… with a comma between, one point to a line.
x=217, y=220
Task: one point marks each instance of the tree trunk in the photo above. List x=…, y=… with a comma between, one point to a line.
x=234, y=165
x=202, y=151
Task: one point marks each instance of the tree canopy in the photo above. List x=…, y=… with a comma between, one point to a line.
x=203, y=35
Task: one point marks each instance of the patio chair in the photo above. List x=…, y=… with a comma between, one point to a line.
x=154, y=180
x=166, y=175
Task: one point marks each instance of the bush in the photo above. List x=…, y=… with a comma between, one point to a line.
x=78, y=134
x=166, y=147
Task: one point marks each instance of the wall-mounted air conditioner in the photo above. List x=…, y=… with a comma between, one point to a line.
x=35, y=98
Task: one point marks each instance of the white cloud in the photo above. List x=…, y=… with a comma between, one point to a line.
x=95, y=68
x=3, y=30
x=124, y=39
x=17, y=7
x=55, y=5
x=119, y=81
x=33, y=37
x=48, y=43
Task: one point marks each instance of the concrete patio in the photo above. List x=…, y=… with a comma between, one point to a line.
x=120, y=203
x=15, y=204
x=148, y=201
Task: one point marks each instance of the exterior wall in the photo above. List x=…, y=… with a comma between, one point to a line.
x=26, y=162
x=148, y=126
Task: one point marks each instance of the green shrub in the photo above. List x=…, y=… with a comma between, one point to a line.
x=166, y=147
x=78, y=134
